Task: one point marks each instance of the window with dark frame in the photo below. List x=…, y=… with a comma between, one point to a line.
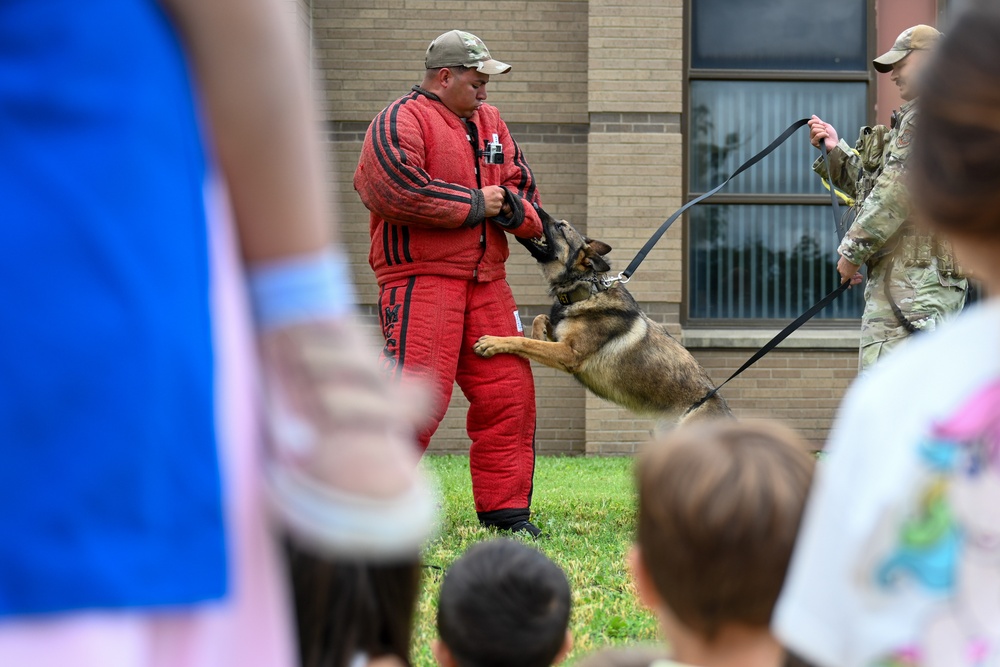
x=765, y=247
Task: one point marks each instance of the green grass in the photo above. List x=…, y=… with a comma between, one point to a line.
x=586, y=508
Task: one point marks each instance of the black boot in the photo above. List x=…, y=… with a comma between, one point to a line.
x=526, y=527
x=511, y=520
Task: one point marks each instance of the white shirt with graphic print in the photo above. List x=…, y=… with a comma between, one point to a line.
x=898, y=558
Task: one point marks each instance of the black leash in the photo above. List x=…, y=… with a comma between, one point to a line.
x=654, y=239
x=773, y=343
x=804, y=317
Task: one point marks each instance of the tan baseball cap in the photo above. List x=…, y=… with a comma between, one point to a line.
x=918, y=38
x=457, y=47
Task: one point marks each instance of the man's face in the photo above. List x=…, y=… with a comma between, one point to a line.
x=906, y=72
x=463, y=92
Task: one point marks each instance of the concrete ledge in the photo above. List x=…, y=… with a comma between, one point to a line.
x=751, y=339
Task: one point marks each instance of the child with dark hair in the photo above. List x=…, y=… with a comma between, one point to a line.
x=503, y=604
x=353, y=613
x=719, y=508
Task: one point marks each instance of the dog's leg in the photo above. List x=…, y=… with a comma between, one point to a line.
x=541, y=328
x=558, y=355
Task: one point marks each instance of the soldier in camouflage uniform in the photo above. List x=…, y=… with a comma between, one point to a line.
x=913, y=281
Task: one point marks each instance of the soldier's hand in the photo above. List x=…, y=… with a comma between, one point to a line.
x=493, y=195
x=848, y=271
x=820, y=130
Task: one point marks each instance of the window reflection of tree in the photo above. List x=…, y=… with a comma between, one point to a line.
x=750, y=279
x=811, y=269
x=710, y=160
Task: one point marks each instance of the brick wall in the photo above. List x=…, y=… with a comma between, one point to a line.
x=636, y=56
x=801, y=387
x=634, y=170
x=372, y=51
x=595, y=102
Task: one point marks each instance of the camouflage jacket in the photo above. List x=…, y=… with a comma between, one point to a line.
x=870, y=174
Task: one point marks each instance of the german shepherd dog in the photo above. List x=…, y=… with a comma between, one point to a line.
x=597, y=333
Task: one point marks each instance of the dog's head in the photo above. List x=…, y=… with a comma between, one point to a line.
x=565, y=254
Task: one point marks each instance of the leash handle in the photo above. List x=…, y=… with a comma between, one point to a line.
x=654, y=239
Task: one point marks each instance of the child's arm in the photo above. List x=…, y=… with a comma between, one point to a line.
x=253, y=76
x=342, y=466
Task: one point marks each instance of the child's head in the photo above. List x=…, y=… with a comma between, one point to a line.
x=502, y=604
x=345, y=608
x=954, y=170
x=719, y=508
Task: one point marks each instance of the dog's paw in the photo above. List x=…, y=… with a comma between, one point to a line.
x=541, y=328
x=487, y=346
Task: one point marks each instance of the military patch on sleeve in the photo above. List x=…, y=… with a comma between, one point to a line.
x=903, y=138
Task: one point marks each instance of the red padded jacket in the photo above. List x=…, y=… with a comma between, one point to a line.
x=420, y=175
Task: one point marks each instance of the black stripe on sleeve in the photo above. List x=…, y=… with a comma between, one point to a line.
x=396, y=167
x=394, y=137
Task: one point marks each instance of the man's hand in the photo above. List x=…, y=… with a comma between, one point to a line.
x=820, y=130
x=849, y=271
x=493, y=196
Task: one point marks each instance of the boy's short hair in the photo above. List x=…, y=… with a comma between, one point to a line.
x=719, y=507
x=502, y=604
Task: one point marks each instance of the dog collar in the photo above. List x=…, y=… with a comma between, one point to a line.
x=581, y=293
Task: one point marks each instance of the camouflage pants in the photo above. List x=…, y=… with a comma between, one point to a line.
x=924, y=296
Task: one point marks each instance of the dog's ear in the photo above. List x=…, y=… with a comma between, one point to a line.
x=599, y=264
x=599, y=247
x=592, y=260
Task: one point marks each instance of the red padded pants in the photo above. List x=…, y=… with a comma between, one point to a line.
x=430, y=324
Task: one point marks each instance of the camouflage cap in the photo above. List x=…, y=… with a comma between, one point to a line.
x=457, y=47
x=918, y=38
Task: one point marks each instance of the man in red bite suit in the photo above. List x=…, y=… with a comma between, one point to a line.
x=445, y=183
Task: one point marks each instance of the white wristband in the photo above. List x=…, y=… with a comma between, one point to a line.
x=301, y=289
